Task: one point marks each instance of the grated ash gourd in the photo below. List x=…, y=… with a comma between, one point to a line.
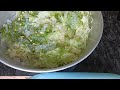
x=47, y=39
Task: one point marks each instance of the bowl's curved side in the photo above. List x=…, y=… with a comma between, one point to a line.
x=4, y=15
x=95, y=37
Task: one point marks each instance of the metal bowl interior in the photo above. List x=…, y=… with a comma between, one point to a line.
x=94, y=39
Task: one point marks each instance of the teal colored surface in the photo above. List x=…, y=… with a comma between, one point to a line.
x=76, y=75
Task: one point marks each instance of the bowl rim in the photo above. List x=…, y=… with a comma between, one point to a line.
x=61, y=67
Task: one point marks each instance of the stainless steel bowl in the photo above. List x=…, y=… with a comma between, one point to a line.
x=94, y=39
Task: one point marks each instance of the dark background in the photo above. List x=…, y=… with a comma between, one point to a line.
x=105, y=58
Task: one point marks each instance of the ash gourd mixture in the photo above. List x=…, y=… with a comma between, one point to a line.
x=46, y=39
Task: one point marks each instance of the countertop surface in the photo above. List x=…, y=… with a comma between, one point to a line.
x=105, y=58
